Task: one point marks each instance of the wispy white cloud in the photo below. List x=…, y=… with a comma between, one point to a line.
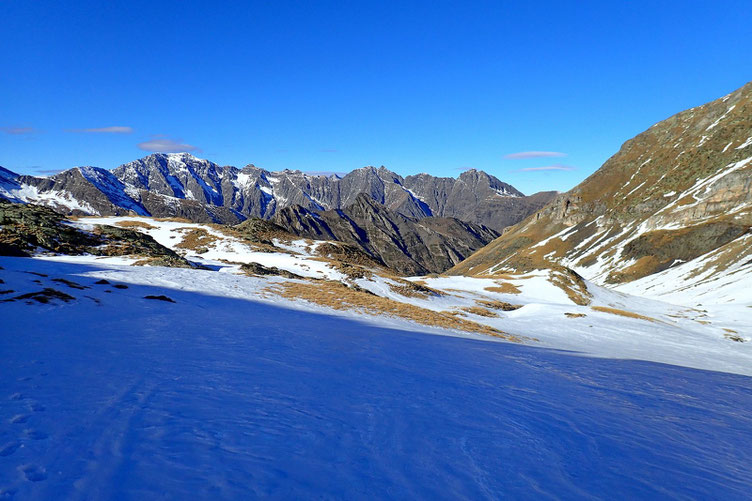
x=19, y=131
x=535, y=154
x=113, y=129
x=547, y=168
x=162, y=144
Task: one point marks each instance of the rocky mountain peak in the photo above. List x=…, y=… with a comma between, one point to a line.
x=182, y=185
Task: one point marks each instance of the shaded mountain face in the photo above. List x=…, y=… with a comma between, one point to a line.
x=181, y=185
x=679, y=192
x=477, y=197
x=407, y=245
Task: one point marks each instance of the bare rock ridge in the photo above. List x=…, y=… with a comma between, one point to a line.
x=410, y=246
x=679, y=191
x=181, y=185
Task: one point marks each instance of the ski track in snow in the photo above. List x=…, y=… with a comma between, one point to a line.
x=216, y=397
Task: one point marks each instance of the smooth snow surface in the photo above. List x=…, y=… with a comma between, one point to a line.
x=114, y=396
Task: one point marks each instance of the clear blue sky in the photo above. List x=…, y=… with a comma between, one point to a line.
x=432, y=87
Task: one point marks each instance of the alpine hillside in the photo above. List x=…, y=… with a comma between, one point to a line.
x=676, y=200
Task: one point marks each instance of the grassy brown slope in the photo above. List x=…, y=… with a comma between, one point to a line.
x=648, y=173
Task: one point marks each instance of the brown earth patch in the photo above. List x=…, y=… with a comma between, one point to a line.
x=413, y=289
x=574, y=315
x=623, y=313
x=174, y=219
x=197, y=240
x=573, y=285
x=135, y=224
x=337, y=296
x=256, y=269
x=499, y=305
x=504, y=288
x=482, y=312
x=733, y=336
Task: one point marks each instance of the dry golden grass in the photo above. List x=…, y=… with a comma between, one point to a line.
x=337, y=296
x=412, y=289
x=642, y=267
x=623, y=313
x=733, y=336
x=352, y=271
x=574, y=315
x=196, y=239
x=573, y=285
x=482, y=312
x=174, y=219
x=499, y=305
x=504, y=276
x=135, y=224
x=504, y=288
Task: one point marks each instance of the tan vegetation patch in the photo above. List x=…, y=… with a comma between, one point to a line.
x=573, y=285
x=733, y=336
x=174, y=220
x=574, y=315
x=483, y=312
x=351, y=271
x=337, y=296
x=556, y=247
x=504, y=288
x=505, y=276
x=685, y=200
x=135, y=224
x=197, y=239
x=412, y=289
x=256, y=269
x=623, y=313
x=499, y=305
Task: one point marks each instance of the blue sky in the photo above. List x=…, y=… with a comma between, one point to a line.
x=432, y=87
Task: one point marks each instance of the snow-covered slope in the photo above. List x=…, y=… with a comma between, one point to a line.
x=148, y=382
x=553, y=309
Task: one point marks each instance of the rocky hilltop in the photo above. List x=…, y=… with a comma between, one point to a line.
x=676, y=195
x=181, y=185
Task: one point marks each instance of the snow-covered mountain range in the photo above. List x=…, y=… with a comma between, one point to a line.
x=181, y=185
